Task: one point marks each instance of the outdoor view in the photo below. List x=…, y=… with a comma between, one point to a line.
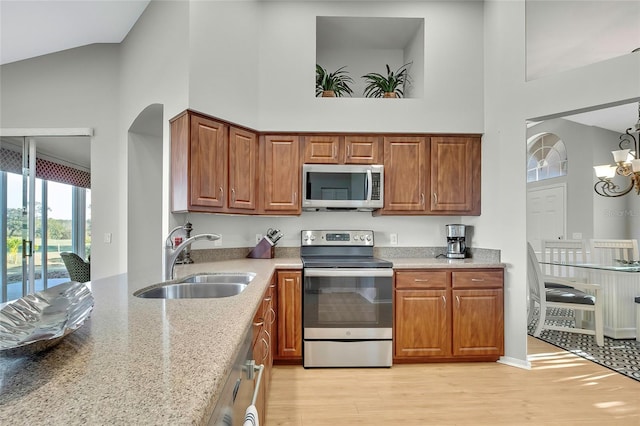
x=54, y=232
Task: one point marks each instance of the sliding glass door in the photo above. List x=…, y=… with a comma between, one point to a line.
x=45, y=211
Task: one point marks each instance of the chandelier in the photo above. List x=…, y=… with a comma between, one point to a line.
x=627, y=165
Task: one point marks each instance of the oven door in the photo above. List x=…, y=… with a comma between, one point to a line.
x=347, y=303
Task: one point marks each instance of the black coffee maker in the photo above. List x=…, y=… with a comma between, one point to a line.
x=456, y=241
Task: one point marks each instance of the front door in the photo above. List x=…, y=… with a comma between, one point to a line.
x=546, y=218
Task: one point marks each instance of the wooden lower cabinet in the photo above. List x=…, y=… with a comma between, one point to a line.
x=263, y=324
x=448, y=315
x=289, y=316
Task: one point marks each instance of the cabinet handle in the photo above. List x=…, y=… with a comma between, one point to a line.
x=233, y=195
x=347, y=151
x=444, y=302
x=221, y=192
x=267, y=299
x=458, y=301
x=260, y=323
x=422, y=199
x=266, y=349
x=334, y=151
x=295, y=197
x=273, y=316
x=477, y=280
x=435, y=198
x=421, y=280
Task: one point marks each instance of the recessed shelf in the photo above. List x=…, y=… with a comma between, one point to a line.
x=367, y=44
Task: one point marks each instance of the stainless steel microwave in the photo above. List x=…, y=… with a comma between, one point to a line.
x=342, y=187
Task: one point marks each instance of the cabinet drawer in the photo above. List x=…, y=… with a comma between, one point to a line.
x=491, y=279
x=421, y=279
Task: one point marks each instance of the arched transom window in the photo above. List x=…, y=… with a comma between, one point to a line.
x=547, y=157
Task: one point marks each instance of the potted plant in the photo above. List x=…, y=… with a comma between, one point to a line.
x=332, y=84
x=391, y=86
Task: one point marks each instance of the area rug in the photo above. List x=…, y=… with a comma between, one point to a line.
x=622, y=356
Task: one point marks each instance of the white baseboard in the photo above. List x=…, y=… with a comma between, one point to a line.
x=515, y=362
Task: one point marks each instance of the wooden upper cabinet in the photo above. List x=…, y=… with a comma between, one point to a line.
x=404, y=174
x=281, y=187
x=362, y=150
x=321, y=149
x=208, y=162
x=455, y=175
x=214, y=166
x=350, y=149
x=198, y=163
x=243, y=169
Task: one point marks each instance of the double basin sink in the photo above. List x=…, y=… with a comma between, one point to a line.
x=199, y=286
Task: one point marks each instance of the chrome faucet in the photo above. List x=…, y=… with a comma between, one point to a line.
x=171, y=254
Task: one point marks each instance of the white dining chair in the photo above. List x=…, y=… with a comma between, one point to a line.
x=610, y=252
x=571, y=297
x=562, y=251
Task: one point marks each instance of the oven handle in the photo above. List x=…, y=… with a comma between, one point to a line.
x=348, y=272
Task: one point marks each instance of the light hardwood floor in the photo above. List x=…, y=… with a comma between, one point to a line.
x=560, y=389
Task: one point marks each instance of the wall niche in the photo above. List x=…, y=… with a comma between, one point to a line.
x=366, y=44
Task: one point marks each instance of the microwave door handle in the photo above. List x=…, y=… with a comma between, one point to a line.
x=369, y=185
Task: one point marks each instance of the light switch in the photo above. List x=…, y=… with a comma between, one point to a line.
x=107, y=237
x=394, y=239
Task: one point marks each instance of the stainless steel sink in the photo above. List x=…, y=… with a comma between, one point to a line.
x=215, y=285
x=220, y=278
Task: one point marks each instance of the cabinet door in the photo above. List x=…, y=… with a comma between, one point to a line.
x=478, y=322
x=208, y=163
x=455, y=174
x=404, y=174
x=362, y=150
x=243, y=169
x=282, y=174
x=289, y=314
x=321, y=149
x=422, y=324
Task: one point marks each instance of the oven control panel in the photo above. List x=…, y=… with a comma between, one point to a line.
x=337, y=238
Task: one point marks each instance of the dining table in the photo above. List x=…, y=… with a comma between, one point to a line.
x=620, y=285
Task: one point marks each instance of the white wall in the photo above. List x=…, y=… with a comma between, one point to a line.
x=223, y=60
x=508, y=103
x=452, y=99
x=77, y=88
x=144, y=196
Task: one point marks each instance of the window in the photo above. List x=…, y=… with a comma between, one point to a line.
x=547, y=157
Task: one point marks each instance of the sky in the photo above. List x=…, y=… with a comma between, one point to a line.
x=59, y=199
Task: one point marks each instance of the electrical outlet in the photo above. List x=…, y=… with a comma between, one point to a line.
x=577, y=235
x=218, y=242
x=394, y=239
x=258, y=238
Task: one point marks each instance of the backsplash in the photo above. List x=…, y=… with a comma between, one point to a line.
x=480, y=254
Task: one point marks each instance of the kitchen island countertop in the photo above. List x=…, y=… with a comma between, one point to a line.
x=137, y=361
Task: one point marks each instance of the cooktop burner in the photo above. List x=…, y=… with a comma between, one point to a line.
x=344, y=262
x=339, y=249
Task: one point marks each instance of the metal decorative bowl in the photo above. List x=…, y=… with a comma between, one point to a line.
x=40, y=320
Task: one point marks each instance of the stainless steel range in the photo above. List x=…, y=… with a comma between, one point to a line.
x=347, y=301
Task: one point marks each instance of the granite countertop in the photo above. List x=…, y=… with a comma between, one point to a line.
x=137, y=361
x=148, y=361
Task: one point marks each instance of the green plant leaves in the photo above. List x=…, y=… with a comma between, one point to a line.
x=377, y=84
x=337, y=81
